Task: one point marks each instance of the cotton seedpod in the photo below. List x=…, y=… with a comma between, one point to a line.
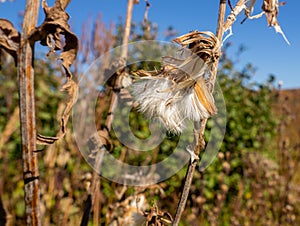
x=179, y=90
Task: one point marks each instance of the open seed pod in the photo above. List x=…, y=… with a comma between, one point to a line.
x=178, y=91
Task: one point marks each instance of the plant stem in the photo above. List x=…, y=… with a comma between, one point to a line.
x=27, y=115
x=124, y=53
x=219, y=34
x=199, y=142
x=93, y=197
x=186, y=189
x=127, y=28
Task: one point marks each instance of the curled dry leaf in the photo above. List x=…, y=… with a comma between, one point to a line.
x=270, y=9
x=179, y=90
x=9, y=39
x=56, y=24
x=71, y=88
x=49, y=34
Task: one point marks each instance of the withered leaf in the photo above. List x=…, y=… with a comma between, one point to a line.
x=9, y=38
x=270, y=9
x=71, y=88
x=49, y=34
x=56, y=24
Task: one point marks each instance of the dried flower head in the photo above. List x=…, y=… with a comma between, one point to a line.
x=179, y=90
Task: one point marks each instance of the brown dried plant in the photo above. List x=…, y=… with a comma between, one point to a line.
x=221, y=29
x=55, y=25
x=178, y=77
x=21, y=49
x=100, y=144
x=9, y=39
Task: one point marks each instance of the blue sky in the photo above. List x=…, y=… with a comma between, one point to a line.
x=265, y=49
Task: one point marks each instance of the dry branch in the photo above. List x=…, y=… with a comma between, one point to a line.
x=199, y=142
x=27, y=115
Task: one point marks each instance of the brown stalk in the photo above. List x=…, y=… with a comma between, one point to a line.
x=93, y=197
x=127, y=28
x=27, y=115
x=199, y=142
x=124, y=53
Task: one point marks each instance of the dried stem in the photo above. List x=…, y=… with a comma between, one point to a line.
x=239, y=7
x=27, y=115
x=199, y=132
x=95, y=187
x=219, y=34
x=117, y=85
x=185, y=192
x=127, y=28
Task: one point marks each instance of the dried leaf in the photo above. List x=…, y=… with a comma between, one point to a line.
x=205, y=44
x=270, y=10
x=9, y=38
x=56, y=24
x=71, y=88
x=49, y=34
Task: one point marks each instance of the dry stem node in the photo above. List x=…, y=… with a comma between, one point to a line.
x=179, y=90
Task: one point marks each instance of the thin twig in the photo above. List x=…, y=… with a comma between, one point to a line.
x=199, y=131
x=185, y=192
x=27, y=115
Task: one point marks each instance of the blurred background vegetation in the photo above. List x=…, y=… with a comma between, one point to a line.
x=253, y=180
